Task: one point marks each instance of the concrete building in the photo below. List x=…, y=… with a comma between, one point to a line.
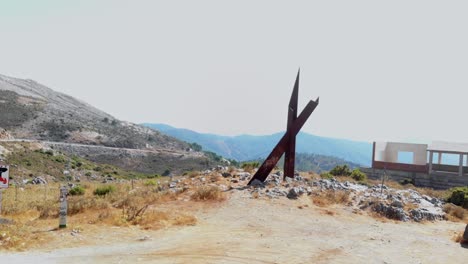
x=416, y=163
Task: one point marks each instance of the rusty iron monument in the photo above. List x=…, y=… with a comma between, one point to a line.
x=287, y=144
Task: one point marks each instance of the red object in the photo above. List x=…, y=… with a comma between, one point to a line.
x=4, y=180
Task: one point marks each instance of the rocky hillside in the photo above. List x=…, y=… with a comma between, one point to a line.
x=33, y=111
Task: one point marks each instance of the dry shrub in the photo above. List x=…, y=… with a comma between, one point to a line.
x=156, y=219
x=47, y=209
x=255, y=195
x=454, y=212
x=77, y=205
x=458, y=238
x=441, y=194
x=184, y=220
x=216, y=177
x=153, y=220
x=329, y=197
x=193, y=174
x=410, y=206
x=208, y=193
x=232, y=169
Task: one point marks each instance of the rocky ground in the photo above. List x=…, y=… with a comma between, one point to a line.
x=275, y=222
x=403, y=205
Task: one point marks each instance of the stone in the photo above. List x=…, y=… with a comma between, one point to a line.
x=279, y=173
x=298, y=178
x=243, y=175
x=144, y=238
x=226, y=174
x=172, y=185
x=257, y=184
x=38, y=180
x=421, y=214
x=397, y=204
x=295, y=192
x=4, y=221
x=391, y=212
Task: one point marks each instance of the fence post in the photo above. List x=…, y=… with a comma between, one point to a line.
x=63, y=207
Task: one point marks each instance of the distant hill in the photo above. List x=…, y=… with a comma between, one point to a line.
x=249, y=147
x=314, y=162
x=29, y=110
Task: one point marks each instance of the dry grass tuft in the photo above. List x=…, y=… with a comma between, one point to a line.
x=193, y=174
x=327, y=212
x=455, y=213
x=329, y=197
x=410, y=206
x=208, y=193
x=255, y=195
x=184, y=220
x=458, y=238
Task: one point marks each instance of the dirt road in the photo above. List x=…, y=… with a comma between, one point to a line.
x=246, y=230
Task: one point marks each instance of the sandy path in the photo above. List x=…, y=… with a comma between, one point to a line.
x=245, y=230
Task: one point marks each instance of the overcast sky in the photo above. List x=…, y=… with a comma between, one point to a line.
x=384, y=70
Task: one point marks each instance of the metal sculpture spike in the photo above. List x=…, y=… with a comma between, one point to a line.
x=290, y=153
x=287, y=144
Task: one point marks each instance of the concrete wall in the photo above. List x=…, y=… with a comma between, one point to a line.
x=437, y=180
x=388, y=152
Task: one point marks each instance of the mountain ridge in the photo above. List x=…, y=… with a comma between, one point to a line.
x=250, y=147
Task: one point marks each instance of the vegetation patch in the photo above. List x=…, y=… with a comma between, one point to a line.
x=455, y=213
x=77, y=190
x=459, y=196
x=330, y=197
x=208, y=193
x=104, y=190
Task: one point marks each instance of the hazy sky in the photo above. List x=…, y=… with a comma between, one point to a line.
x=384, y=70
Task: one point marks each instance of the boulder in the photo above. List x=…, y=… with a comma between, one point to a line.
x=226, y=174
x=391, y=212
x=257, y=184
x=397, y=204
x=421, y=214
x=38, y=180
x=295, y=192
x=243, y=175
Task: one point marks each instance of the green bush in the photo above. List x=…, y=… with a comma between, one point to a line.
x=326, y=175
x=406, y=181
x=341, y=171
x=358, y=175
x=252, y=164
x=459, y=196
x=77, y=190
x=150, y=183
x=88, y=174
x=104, y=190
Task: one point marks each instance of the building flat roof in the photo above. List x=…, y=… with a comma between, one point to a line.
x=448, y=147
